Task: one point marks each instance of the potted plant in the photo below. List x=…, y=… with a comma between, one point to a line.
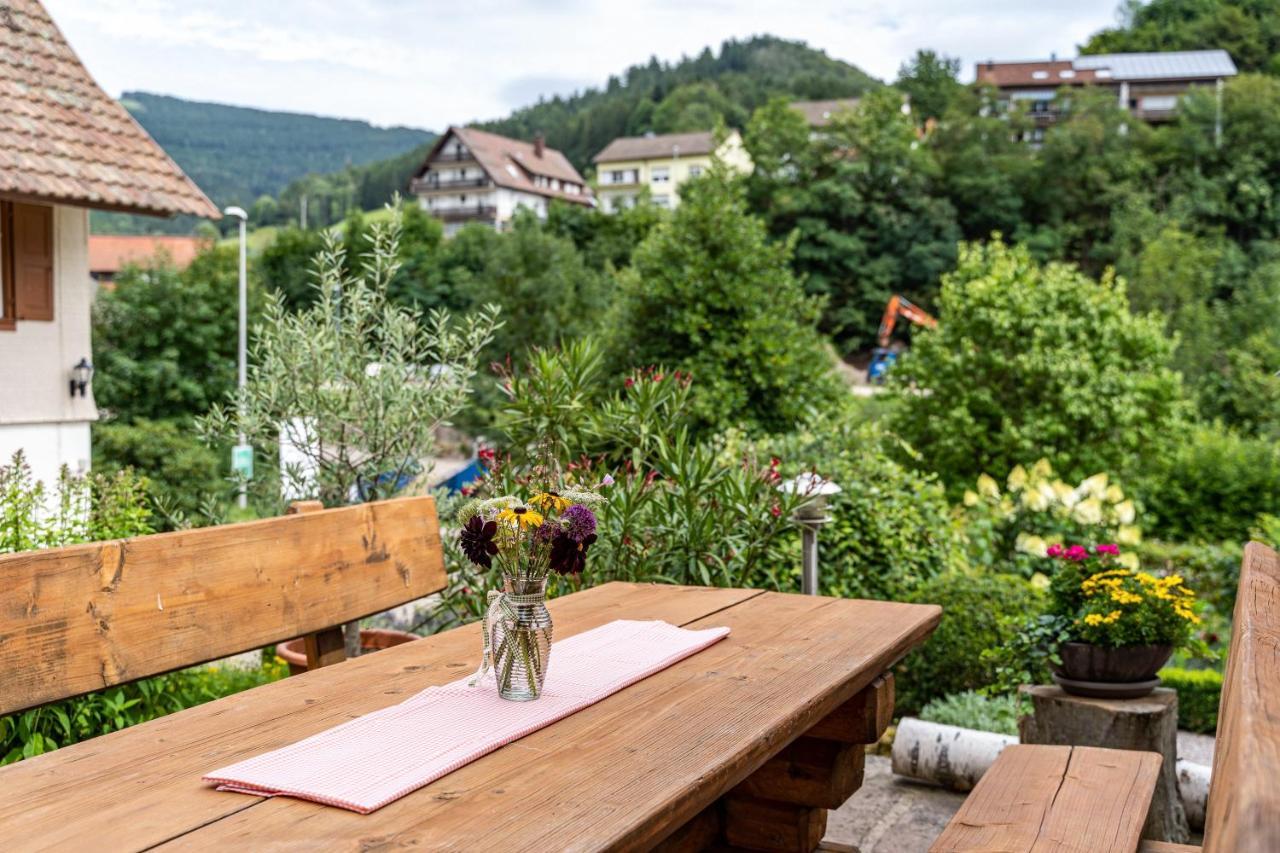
x=1122, y=624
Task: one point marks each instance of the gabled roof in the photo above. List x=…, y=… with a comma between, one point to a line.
x=1110, y=67
x=655, y=147
x=819, y=113
x=62, y=139
x=513, y=163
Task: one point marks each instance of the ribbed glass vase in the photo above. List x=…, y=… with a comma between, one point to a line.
x=522, y=639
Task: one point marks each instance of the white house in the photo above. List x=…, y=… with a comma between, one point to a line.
x=65, y=147
x=474, y=176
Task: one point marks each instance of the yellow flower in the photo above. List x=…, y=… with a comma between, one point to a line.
x=971, y=498
x=1115, y=494
x=1113, y=616
x=1093, y=619
x=987, y=486
x=1017, y=478
x=1042, y=469
x=549, y=501
x=521, y=517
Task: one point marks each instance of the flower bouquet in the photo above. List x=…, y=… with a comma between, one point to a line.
x=1122, y=625
x=527, y=539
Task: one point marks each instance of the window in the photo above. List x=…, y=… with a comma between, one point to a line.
x=662, y=201
x=695, y=171
x=1039, y=75
x=1159, y=103
x=661, y=175
x=26, y=263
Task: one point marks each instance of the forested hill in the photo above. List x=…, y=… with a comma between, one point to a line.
x=237, y=154
x=691, y=94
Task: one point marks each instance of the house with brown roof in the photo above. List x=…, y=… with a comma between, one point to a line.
x=631, y=167
x=65, y=148
x=1148, y=85
x=471, y=175
x=110, y=253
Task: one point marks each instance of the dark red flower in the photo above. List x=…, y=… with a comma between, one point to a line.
x=569, y=557
x=476, y=539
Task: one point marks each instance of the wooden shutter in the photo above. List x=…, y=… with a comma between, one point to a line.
x=33, y=261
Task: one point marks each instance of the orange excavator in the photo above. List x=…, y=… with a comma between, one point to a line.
x=882, y=357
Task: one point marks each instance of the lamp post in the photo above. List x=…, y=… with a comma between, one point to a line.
x=811, y=517
x=242, y=453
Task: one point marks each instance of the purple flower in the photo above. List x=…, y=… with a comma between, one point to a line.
x=569, y=557
x=476, y=539
x=607, y=481
x=1107, y=549
x=579, y=523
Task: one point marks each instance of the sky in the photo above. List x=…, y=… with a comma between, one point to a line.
x=432, y=64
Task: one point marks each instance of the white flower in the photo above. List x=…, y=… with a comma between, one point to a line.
x=1115, y=494
x=1125, y=512
x=1129, y=560
x=971, y=498
x=1088, y=511
x=1129, y=535
x=1095, y=486
x=1017, y=478
x=1066, y=495
x=988, y=487
x=1031, y=544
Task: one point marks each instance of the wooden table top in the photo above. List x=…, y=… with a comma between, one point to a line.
x=623, y=773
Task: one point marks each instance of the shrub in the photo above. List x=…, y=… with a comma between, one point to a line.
x=182, y=471
x=891, y=526
x=973, y=710
x=1010, y=529
x=1211, y=487
x=978, y=612
x=1199, y=693
x=1032, y=361
x=75, y=509
x=59, y=724
x=709, y=294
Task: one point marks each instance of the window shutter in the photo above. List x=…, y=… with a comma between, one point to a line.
x=33, y=262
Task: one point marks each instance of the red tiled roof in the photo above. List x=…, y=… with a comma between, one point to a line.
x=62, y=139
x=512, y=163
x=1025, y=74
x=109, y=254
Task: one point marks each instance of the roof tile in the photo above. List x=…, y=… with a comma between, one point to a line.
x=63, y=139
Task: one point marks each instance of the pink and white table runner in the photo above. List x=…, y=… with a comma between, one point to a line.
x=368, y=762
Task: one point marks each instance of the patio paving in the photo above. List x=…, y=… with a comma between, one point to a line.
x=891, y=815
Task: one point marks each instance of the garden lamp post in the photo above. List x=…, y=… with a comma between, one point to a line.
x=810, y=517
x=242, y=453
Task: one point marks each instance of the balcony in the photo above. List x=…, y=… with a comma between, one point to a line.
x=430, y=184
x=463, y=213
x=454, y=157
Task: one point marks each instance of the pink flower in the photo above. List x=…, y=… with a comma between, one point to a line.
x=1106, y=549
x=1077, y=553
x=607, y=481
x=1055, y=550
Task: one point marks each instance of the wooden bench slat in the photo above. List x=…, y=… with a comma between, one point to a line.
x=85, y=617
x=1008, y=806
x=1243, y=814
x=1103, y=802
x=1167, y=847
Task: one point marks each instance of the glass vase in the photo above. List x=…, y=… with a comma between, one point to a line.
x=522, y=639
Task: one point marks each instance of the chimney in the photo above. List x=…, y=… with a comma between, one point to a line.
x=539, y=144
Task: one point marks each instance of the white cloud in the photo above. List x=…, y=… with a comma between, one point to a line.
x=429, y=64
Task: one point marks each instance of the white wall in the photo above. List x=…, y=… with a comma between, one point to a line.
x=37, y=411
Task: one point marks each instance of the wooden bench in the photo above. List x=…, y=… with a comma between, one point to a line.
x=1038, y=798
x=87, y=617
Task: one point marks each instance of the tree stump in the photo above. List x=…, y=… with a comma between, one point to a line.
x=1149, y=723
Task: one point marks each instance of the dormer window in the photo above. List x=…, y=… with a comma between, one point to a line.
x=1039, y=75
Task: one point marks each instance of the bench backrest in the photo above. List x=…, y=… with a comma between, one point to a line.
x=1244, y=797
x=90, y=616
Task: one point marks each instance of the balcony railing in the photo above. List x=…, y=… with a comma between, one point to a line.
x=429, y=184
x=465, y=212
x=455, y=156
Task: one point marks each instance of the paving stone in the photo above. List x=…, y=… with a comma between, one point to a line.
x=891, y=815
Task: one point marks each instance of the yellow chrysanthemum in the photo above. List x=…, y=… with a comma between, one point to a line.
x=549, y=501
x=521, y=517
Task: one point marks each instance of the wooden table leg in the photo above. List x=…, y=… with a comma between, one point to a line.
x=783, y=805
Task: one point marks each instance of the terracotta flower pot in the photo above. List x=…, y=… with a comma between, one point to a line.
x=1127, y=672
x=294, y=652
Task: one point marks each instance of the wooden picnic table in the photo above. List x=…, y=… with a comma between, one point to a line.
x=694, y=753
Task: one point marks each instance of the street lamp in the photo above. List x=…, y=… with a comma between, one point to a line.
x=811, y=517
x=242, y=453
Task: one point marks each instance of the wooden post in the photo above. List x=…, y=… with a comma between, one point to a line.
x=1149, y=724
x=783, y=805
x=328, y=646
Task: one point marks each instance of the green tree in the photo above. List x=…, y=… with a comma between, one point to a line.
x=1247, y=29
x=864, y=204
x=696, y=106
x=931, y=81
x=707, y=293
x=164, y=341
x=1032, y=361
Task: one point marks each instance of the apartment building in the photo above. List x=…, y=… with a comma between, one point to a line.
x=629, y=165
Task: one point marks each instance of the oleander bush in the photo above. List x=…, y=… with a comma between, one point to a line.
x=979, y=611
